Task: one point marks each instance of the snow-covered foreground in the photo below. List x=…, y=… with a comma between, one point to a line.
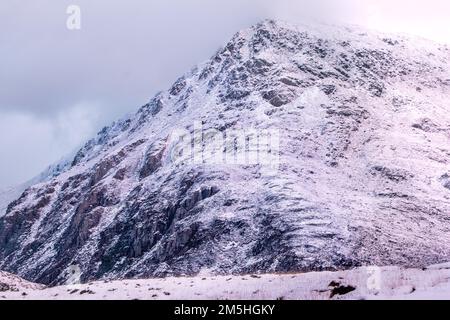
x=361, y=283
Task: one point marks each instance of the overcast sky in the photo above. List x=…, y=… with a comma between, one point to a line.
x=58, y=87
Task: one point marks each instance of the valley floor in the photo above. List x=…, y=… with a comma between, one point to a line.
x=362, y=283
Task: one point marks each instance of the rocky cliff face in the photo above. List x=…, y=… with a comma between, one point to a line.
x=361, y=174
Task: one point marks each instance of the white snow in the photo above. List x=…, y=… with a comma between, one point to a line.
x=368, y=283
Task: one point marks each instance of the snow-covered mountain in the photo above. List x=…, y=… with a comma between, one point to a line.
x=9, y=194
x=358, y=174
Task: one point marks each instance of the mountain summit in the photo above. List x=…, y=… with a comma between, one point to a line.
x=294, y=148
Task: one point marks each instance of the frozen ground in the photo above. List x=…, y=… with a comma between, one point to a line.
x=361, y=283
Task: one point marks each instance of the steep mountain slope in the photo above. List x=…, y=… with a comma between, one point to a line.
x=360, y=175
x=9, y=194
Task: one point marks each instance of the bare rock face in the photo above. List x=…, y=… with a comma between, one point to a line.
x=361, y=175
